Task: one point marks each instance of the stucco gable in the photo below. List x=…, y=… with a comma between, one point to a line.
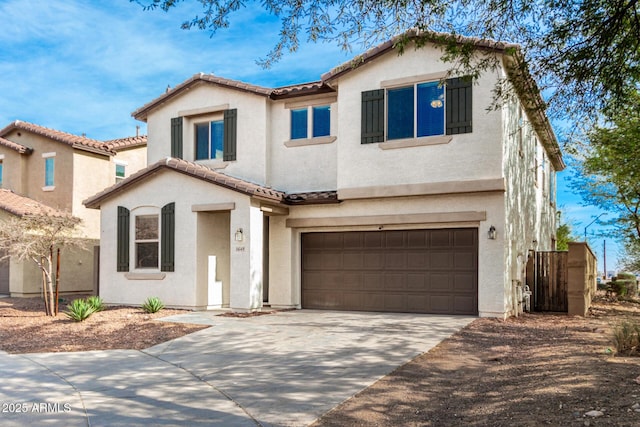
x=190, y=169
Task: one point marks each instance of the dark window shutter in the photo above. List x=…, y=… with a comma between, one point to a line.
x=372, y=116
x=123, y=239
x=168, y=238
x=230, y=134
x=176, y=137
x=459, y=102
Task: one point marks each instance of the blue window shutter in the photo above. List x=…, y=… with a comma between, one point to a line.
x=168, y=237
x=123, y=239
x=458, y=104
x=176, y=137
x=372, y=116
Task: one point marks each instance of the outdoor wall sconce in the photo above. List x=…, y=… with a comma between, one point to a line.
x=239, y=235
x=492, y=234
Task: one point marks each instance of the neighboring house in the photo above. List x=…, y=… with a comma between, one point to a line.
x=60, y=170
x=376, y=188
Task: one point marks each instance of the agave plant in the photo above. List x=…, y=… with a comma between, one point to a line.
x=96, y=302
x=79, y=310
x=152, y=305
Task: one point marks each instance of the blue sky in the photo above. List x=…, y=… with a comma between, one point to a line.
x=84, y=66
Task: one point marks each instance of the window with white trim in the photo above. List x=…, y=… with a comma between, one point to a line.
x=147, y=241
x=121, y=170
x=49, y=170
x=210, y=140
x=319, y=121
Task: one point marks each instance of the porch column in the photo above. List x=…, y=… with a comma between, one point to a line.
x=246, y=258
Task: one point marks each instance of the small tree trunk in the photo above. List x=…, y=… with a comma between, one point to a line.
x=50, y=281
x=44, y=289
x=57, y=281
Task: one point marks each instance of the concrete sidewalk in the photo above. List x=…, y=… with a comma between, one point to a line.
x=279, y=369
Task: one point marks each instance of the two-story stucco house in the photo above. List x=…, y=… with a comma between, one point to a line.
x=59, y=170
x=381, y=187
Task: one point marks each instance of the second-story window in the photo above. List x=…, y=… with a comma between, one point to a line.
x=210, y=140
x=1, y=170
x=120, y=171
x=415, y=111
x=320, y=123
x=49, y=170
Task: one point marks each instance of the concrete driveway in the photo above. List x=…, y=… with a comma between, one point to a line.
x=279, y=369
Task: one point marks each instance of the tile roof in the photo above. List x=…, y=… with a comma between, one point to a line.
x=312, y=198
x=15, y=146
x=290, y=91
x=21, y=205
x=432, y=36
x=191, y=169
x=75, y=141
x=199, y=171
x=128, y=142
x=196, y=79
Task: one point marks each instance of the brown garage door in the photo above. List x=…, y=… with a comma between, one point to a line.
x=415, y=271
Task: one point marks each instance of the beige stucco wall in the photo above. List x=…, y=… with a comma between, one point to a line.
x=185, y=286
x=530, y=199
x=91, y=174
x=251, y=160
x=14, y=176
x=59, y=197
x=471, y=156
x=133, y=158
x=76, y=273
x=299, y=168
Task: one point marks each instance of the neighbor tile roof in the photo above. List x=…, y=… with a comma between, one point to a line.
x=199, y=171
x=15, y=146
x=128, y=142
x=75, y=141
x=21, y=205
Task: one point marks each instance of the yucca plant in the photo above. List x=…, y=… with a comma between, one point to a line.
x=79, y=310
x=152, y=305
x=96, y=302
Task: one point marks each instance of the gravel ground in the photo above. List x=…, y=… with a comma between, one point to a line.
x=537, y=369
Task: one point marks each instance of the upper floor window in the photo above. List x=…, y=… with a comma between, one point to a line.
x=415, y=111
x=1, y=169
x=210, y=140
x=423, y=109
x=214, y=139
x=120, y=171
x=49, y=170
x=320, y=122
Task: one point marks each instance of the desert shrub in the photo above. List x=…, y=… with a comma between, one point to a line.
x=152, y=305
x=79, y=310
x=619, y=287
x=626, y=338
x=96, y=302
x=629, y=280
